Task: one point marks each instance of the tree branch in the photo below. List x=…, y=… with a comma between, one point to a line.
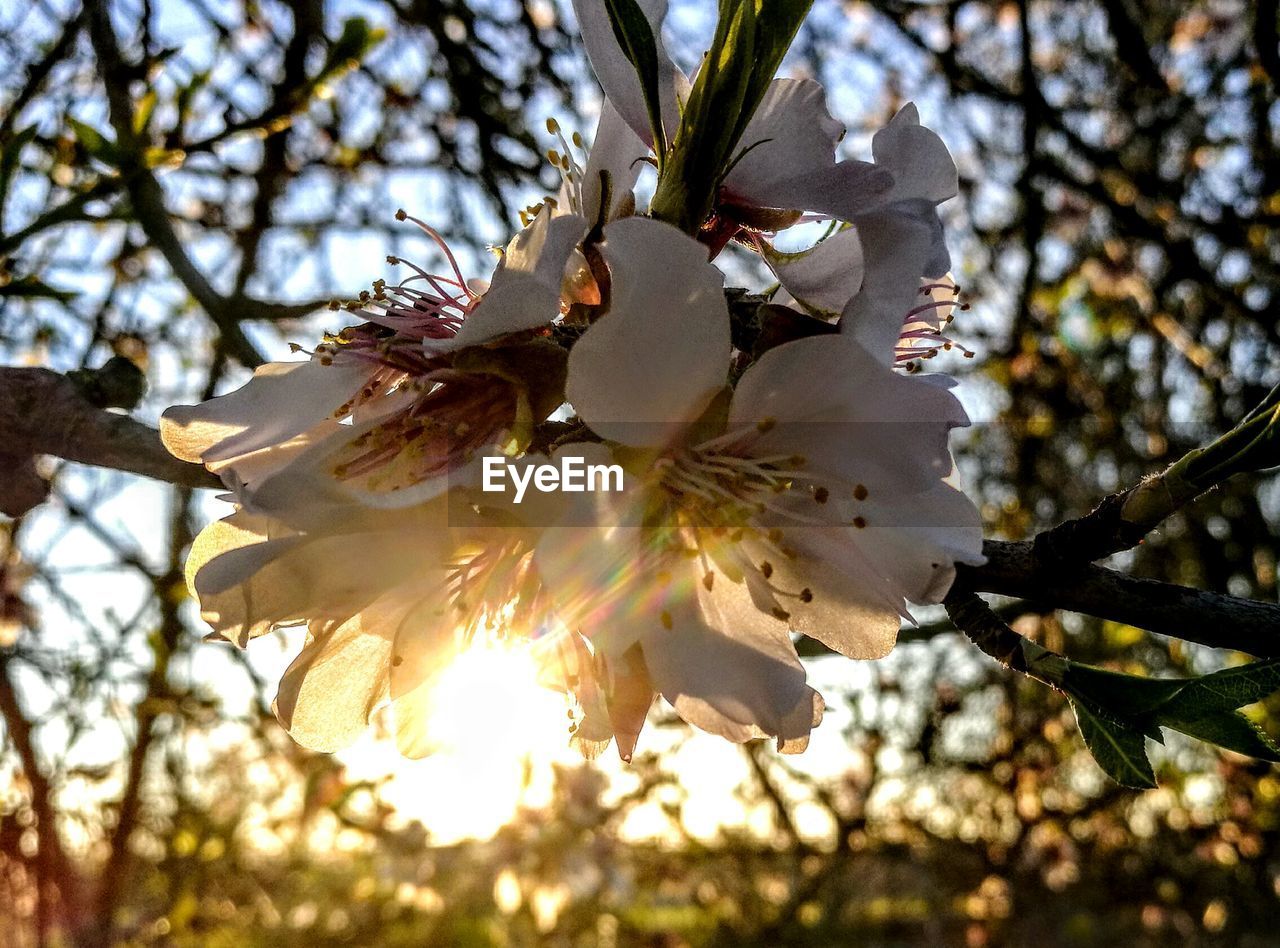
x=44, y=413
x=1195, y=615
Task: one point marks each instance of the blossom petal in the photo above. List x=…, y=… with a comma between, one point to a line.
x=618, y=77
x=330, y=690
x=725, y=667
x=849, y=608
x=824, y=278
x=525, y=290
x=652, y=364
x=282, y=401
x=850, y=416
x=616, y=152
x=921, y=165
x=896, y=250
x=789, y=157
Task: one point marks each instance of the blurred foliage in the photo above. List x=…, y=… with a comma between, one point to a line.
x=1117, y=239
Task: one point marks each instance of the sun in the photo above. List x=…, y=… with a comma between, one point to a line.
x=499, y=731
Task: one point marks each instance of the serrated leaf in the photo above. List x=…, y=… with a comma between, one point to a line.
x=1227, y=690
x=1229, y=729
x=1120, y=750
x=1123, y=695
x=635, y=37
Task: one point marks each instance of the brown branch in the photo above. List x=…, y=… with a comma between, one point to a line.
x=1196, y=615
x=147, y=714
x=45, y=413
x=54, y=882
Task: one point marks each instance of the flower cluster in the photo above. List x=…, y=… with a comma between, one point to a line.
x=787, y=471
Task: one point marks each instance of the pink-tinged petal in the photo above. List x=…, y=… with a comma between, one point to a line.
x=824, y=278
x=896, y=250
x=618, y=77
x=525, y=290
x=341, y=675
x=282, y=401
x=652, y=364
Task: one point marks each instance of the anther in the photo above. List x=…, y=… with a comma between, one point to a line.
x=806, y=595
x=821, y=495
x=766, y=569
x=860, y=492
x=667, y=622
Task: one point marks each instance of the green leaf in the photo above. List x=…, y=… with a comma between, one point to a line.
x=1228, y=689
x=635, y=36
x=146, y=109
x=94, y=142
x=1120, y=750
x=1123, y=695
x=1229, y=729
x=1113, y=709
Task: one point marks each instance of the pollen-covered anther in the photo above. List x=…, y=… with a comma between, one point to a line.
x=766, y=424
x=708, y=580
x=806, y=595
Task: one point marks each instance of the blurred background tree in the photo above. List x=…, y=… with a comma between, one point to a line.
x=186, y=183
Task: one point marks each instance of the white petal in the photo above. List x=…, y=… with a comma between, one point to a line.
x=249, y=578
x=723, y=667
x=329, y=691
x=652, y=364
x=896, y=251
x=282, y=401
x=791, y=161
x=791, y=136
x=618, y=77
x=618, y=152
x=852, y=609
x=525, y=290
x=921, y=165
x=425, y=643
x=848, y=415
x=824, y=278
